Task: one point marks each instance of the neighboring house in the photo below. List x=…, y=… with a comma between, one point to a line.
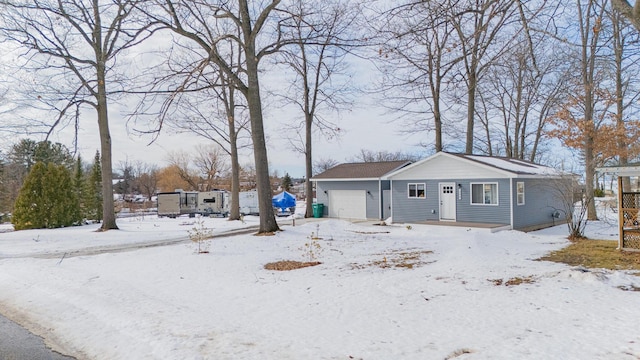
x=502, y=192
x=356, y=191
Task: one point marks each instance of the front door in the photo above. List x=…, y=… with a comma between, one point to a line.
x=447, y=201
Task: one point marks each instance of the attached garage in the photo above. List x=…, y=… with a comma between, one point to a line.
x=348, y=204
x=356, y=191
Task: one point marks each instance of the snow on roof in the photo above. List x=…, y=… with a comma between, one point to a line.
x=514, y=165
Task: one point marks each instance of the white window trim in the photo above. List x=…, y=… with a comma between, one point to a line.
x=518, y=193
x=483, y=184
x=424, y=185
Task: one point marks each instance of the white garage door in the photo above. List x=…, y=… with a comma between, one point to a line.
x=348, y=204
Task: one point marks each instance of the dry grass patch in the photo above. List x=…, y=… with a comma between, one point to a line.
x=513, y=281
x=369, y=232
x=596, y=254
x=457, y=353
x=398, y=259
x=286, y=265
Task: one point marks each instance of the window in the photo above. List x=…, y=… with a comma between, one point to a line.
x=484, y=194
x=520, y=192
x=417, y=191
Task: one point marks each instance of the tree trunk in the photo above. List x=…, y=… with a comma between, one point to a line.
x=308, y=167
x=267, y=217
x=437, y=120
x=590, y=179
x=618, y=48
x=234, y=209
x=471, y=107
x=265, y=195
x=108, y=213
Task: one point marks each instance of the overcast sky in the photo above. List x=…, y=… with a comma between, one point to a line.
x=365, y=127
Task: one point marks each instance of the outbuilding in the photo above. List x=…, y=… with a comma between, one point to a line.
x=356, y=191
x=628, y=207
x=486, y=191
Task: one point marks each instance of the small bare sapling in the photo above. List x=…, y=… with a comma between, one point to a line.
x=312, y=249
x=201, y=235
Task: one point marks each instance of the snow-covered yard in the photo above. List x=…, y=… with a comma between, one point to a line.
x=167, y=302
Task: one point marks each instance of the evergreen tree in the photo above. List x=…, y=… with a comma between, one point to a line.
x=287, y=183
x=47, y=199
x=20, y=159
x=28, y=152
x=30, y=210
x=80, y=185
x=93, y=194
x=65, y=207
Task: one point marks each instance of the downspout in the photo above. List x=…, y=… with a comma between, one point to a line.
x=391, y=199
x=381, y=201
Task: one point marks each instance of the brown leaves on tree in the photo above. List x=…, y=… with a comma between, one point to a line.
x=611, y=138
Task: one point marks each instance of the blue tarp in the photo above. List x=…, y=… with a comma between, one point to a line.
x=284, y=200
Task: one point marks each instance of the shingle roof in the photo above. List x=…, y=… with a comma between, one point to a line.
x=366, y=170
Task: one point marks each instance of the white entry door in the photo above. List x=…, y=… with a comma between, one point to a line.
x=447, y=201
x=348, y=204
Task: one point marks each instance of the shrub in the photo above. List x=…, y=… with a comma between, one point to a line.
x=598, y=193
x=47, y=199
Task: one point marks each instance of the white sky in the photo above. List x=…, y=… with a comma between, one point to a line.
x=365, y=127
x=368, y=126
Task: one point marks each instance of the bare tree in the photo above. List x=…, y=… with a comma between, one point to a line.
x=200, y=23
x=212, y=163
x=205, y=102
x=478, y=25
x=590, y=15
x=624, y=44
x=323, y=165
x=320, y=85
x=415, y=58
x=373, y=156
x=631, y=13
x=146, y=179
x=127, y=177
x=74, y=45
x=180, y=161
x=521, y=90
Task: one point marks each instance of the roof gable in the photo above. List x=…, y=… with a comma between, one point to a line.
x=445, y=165
x=359, y=171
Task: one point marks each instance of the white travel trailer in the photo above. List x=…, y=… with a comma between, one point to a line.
x=179, y=202
x=249, y=202
x=214, y=202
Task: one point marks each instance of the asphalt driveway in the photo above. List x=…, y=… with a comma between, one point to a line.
x=17, y=343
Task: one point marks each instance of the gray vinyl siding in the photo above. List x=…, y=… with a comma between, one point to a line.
x=495, y=214
x=540, y=201
x=416, y=210
x=373, y=197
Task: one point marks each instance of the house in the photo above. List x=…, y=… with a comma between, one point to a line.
x=356, y=191
x=497, y=192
